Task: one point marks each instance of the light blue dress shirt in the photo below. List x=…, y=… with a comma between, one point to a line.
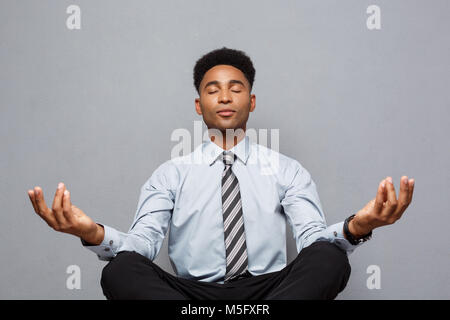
x=185, y=194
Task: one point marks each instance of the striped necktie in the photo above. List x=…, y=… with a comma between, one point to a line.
x=233, y=221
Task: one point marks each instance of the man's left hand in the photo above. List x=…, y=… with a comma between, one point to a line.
x=385, y=208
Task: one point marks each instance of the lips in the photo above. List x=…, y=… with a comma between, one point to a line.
x=225, y=112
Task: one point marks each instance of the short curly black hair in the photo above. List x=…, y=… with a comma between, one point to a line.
x=232, y=57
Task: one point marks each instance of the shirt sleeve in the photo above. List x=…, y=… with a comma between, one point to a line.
x=151, y=221
x=304, y=213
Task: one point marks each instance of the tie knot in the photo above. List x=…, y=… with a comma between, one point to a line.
x=228, y=157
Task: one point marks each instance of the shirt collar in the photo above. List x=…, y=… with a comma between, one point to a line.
x=212, y=151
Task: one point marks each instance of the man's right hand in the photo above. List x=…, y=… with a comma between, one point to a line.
x=65, y=217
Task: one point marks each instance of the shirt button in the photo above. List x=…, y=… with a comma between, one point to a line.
x=106, y=249
x=335, y=233
x=111, y=242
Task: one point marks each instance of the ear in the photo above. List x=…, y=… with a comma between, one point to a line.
x=197, y=106
x=252, y=102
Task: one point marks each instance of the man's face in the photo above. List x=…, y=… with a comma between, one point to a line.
x=225, y=87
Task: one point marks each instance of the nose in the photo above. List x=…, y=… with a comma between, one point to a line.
x=224, y=97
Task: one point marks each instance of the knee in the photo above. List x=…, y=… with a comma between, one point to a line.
x=333, y=259
x=118, y=265
x=333, y=264
x=117, y=271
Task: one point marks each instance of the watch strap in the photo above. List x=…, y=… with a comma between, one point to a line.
x=350, y=237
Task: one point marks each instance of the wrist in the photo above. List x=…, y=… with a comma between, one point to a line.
x=96, y=236
x=359, y=233
x=355, y=229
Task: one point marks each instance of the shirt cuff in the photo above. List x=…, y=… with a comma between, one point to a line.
x=337, y=235
x=106, y=250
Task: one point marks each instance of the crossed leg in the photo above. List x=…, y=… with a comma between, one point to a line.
x=320, y=271
x=132, y=276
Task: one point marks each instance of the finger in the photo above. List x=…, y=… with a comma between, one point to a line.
x=403, y=196
x=33, y=201
x=57, y=200
x=385, y=192
x=57, y=204
x=411, y=190
x=379, y=199
x=40, y=201
x=391, y=198
x=67, y=211
x=42, y=210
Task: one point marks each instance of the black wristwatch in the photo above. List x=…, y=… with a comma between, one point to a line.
x=351, y=238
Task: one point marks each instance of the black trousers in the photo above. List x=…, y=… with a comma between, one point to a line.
x=320, y=271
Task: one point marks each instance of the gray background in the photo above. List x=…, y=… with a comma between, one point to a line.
x=95, y=108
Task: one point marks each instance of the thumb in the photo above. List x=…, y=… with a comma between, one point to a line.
x=75, y=210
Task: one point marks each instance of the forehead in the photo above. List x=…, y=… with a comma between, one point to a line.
x=223, y=73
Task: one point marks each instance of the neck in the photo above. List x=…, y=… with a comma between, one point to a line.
x=228, y=141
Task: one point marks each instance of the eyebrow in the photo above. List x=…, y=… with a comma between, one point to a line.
x=215, y=82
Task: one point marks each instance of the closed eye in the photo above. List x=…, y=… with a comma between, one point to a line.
x=236, y=91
